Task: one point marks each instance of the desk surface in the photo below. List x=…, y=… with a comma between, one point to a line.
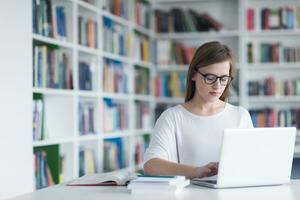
x=289, y=191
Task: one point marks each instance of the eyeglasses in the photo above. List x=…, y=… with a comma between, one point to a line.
x=211, y=79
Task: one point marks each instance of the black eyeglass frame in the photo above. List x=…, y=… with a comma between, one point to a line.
x=230, y=78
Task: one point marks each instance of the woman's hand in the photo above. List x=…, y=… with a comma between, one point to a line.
x=210, y=169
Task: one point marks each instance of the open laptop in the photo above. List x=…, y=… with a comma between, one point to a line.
x=254, y=157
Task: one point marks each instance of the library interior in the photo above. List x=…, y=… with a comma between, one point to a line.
x=84, y=81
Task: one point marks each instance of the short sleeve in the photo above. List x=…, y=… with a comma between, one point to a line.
x=162, y=144
x=245, y=120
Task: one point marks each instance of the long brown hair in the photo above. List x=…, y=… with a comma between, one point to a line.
x=207, y=54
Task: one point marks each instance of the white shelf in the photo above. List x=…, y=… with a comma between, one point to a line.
x=117, y=96
x=87, y=94
x=197, y=35
x=49, y=91
x=88, y=6
x=139, y=132
x=123, y=59
x=53, y=41
x=274, y=99
x=143, y=64
x=117, y=19
x=53, y=141
x=267, y=33
x=89, y=137
x=143, y=97
x=273, y=66
x=170, y=68
x=143, y=30
x=169, y=100
x=116, y=134
x=88, y=50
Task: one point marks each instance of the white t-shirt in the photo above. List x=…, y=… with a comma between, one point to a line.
x=199, y=137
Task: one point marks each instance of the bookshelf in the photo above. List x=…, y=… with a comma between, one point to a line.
x=92, y=68
x=239, y=28
x=175, y=48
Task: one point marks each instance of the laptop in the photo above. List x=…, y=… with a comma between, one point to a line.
x=254, y=157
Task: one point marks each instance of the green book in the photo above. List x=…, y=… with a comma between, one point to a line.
x=53, y=160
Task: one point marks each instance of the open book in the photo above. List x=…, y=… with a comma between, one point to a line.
x=104, y=179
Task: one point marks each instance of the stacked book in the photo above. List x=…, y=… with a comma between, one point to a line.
x=157, y=184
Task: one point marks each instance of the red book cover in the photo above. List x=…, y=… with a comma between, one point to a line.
x=250, y=19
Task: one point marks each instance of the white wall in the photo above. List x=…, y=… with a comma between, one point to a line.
x=16, y=165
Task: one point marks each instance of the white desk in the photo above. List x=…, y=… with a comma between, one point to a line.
x=290, y=191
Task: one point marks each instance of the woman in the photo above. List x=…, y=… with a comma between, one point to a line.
x=187, y=138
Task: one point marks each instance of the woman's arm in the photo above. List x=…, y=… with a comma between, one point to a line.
x=157, y=166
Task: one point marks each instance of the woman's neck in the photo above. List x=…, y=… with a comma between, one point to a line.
x=199, y=107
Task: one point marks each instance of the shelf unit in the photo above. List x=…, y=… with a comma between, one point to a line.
x=61, y=107
x=237, y=36
x=230, y=35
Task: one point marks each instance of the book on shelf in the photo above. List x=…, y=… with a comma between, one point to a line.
x=272, y=87
x=141, y=144
x=116, y=38
x=171, y=84
x=49, y=19
x=142, y=13
x=114, y=154
x=250, y=19
x=278, y=18
x=119, y=8
x=275, y=52
x=87, y=162
x=115, y=115
x=85, y=76
x=272, y=117
x=87, y=32
x=179, y=20
x=38, y=117
x=47, y=165
x=141, y=80
x=169, y=52
x=52, y=67
x=157, y=184
x=117, y=178
x=86, y=118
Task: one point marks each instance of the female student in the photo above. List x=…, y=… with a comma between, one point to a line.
x=187, y=137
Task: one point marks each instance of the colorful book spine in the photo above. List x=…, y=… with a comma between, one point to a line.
x=174, y=53
x=52, y=68
x=170, y=84
x=38, y=117
x=142, y=115
x=87, y=162
x=117, y=7
x=115, y=116
x=115, y=77
x=141, y=48
x=266, y=52
x=85, y=76
x=272, y=87
x=86, y=118
x=116, y=38
x=141, y=144
x=276, y=117
x=141, y=81
x=87, y=32
x=46, y=166
x=142, y=13
x=114, y=154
